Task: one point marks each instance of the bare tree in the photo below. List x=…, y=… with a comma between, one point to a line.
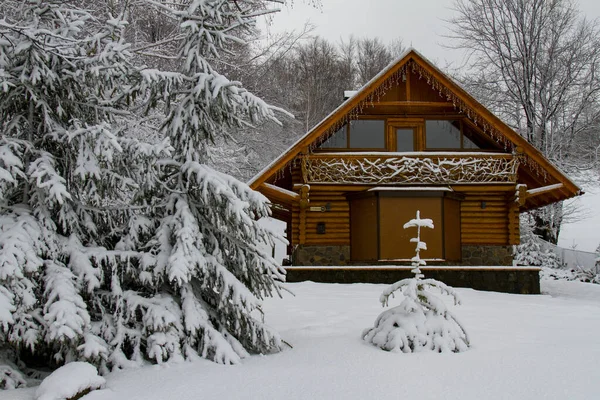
x=536, y=64
x=372, y=56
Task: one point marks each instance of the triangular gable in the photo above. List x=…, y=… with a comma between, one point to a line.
x=544, y=173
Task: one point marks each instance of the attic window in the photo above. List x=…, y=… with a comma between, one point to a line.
x=446, y=134
x=338, y=140
x=362, y=134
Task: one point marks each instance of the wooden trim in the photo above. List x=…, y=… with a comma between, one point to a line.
x=407, y=83
x=508, y=187
x=543, y=190
x=515, y=138
x=279, y=195
x=440, y=104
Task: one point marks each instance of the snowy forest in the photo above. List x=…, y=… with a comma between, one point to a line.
x=128, y=129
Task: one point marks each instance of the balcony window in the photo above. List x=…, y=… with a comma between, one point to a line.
x=405, y=139
x=446, y=134
x=367, y=134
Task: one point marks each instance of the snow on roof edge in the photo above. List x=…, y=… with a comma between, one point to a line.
x=331, y=114
x=382, y=72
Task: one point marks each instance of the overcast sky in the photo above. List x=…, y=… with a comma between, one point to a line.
x=418, y=23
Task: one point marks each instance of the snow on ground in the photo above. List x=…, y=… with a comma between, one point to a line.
x=68, y=381
x=585, y=232
x=524, y=347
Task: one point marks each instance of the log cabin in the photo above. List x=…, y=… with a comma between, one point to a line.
x=410, y=139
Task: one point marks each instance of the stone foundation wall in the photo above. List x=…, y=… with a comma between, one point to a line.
x=340, y=255
x=321, y=255
x=523, y=280
x=486, y=255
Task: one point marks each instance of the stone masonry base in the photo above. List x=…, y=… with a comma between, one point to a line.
x=481, y=267
x=523, y=280
x=340, y=255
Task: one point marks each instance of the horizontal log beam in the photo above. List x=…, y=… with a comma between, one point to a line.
x=279, y=195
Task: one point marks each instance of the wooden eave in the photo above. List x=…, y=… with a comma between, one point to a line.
x=567, y=190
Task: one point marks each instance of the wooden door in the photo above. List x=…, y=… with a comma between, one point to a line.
x=363, y=228
x=394, y=240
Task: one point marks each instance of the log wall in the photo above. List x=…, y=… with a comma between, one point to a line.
x=337, y=219
x=496, y=224
x=488, y=218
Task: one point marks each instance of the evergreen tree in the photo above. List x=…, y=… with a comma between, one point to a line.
x=530, y=252
x=200, y=240
x=112, y=250
x=65, y=174
x=597, y=263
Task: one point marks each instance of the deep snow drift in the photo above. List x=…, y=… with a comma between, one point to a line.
x=523, y=347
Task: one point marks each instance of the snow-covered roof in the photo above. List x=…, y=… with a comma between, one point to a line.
x=349, y=93
x=541, y=171
x=331, y=114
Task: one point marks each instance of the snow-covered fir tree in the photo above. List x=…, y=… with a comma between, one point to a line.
x=597, y=263
x=65, y=175
x=202, y=262
x=115, y=251
x=421, y=321
x=531, y=252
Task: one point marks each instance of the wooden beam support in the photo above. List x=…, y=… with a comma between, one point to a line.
x=304, y=204
x=279, y=195
x=543, y=190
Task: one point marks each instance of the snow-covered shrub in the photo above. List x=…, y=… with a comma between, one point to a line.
x=530, y=252
x=71, y=381
x=112, y=250
x=571, y=274
x=421, y=321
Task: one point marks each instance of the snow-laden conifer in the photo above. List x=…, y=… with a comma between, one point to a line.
x=531, y=252
x=116, y=251
x=422, y=321
x=597, y=261
x=202, y=259
x=66, y=179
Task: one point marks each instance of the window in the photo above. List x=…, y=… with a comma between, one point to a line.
x=442, y=134
x=405, y=139
x=405, y=134
x=338, y=140
x=446, y=134
x=358, y=134
x=367, y=134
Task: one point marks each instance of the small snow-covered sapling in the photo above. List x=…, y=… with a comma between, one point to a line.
x=419, y=223
x=421, y=321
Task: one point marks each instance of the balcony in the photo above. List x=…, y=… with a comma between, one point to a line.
x=387, y=168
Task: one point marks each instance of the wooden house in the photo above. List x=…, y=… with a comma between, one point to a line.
x=410, y=139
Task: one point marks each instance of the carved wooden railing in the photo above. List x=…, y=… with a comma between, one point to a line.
x=412, y=168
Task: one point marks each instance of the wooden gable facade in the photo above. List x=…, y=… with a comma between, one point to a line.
x=410, y=139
